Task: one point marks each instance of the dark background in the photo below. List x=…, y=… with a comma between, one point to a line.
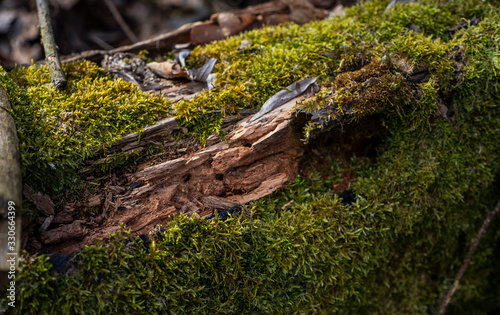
x=81, y=25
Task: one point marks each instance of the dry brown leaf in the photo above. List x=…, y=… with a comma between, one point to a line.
x=167, y=69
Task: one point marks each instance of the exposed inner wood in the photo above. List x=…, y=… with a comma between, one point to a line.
x=255, y=160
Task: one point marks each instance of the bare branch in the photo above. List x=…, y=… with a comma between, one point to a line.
x=111, y=6
x=472, y=250
x=49, y=45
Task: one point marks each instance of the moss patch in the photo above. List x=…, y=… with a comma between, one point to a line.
x=59, y=129
x=284, y=54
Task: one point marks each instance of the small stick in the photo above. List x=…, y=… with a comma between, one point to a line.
x=49, y=45
x=472, y=249
x=121, y=21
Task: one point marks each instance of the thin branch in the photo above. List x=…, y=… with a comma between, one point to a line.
x=111, y=6
x=49, y=45
x=472, y=250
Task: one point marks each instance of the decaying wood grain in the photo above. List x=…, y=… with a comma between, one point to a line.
x=255, y=160
x=40, y=200
x=71, y=231
x=218, y=202
x=10, y=185
x=158, y=133
x=135, y=140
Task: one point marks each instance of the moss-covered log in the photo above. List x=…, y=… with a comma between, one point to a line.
x=429, y=83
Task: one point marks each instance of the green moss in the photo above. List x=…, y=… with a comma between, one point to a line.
x=355, y=94
x=59, y=129
x=282, y=55
x=396, y=249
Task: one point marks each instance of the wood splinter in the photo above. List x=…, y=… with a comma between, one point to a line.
x=49, y=45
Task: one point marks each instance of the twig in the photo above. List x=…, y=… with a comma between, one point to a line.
x=472, y=249
x=111, y=6
x=49, y=45
x=96, y=39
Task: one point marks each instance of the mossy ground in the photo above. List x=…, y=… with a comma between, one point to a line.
x=418, y=206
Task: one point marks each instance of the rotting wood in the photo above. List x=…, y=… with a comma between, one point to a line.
x=135, y=142
x=149, y=134
x=40, y=200
x=10, y=187
x=255, y=160
x=49, y=45
x=218, y=202
x=66, y=232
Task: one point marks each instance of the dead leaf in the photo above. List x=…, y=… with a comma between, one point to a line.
x=283, y=96
x=203, y=73
x=168, y=69
x=221, y=26
x=181, y=57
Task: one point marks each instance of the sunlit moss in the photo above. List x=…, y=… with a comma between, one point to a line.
x=59, y=129
x=279, y=56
